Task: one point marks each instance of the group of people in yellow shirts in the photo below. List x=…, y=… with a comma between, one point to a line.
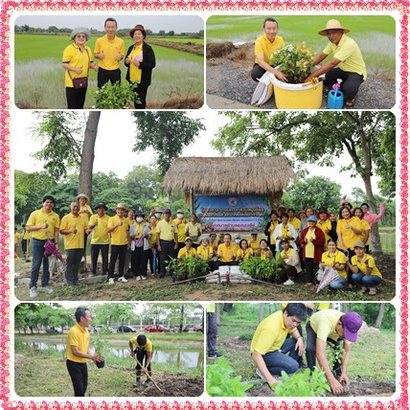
x=278, y=344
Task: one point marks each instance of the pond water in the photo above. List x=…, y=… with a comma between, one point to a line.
x=183, y=359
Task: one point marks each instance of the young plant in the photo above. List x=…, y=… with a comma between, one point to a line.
x=188, y=268
x=221, y=383
x=303, y=384
x=101, y=347
x=115, y=96
x=261, y=269
x=334, y=354
x=295, y=62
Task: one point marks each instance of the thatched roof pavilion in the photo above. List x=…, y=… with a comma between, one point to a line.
x=230, y=176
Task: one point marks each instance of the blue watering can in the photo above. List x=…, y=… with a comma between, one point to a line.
x=335, y=98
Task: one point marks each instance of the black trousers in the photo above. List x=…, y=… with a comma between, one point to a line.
x=79, y=377
x=257, y=72
x=139, y=261
x=141, y=93
x=311, y=350
x=103, y=76
x=350, y=85
x=24, y=246
x=73, y=262
x=287, y=272
x=311, y=269
x=167, y=252
x=75, y=97
x=95, y=251
x=117, y=252
x=141, y=355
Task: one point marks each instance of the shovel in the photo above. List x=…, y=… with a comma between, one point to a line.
x=149, y=377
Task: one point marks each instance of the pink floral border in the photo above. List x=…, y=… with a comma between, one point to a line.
x=9, y=7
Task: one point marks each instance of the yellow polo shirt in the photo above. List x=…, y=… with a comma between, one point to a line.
x=349, y=54
x=270, y=334
x=227, y=253
x=26, y=235
x=40, y=217
x=338, y=257
x=265, y=254
x=119, y=236
x=99, y=234
x=111, y=49
x=211, y=308
x=180, y=229
x=80, y=337
x=184, y=253
x=75, y=57
x=365, y=227
x=135, y=72
x=73, y=240
x=360, y=263
x=204, y=253
x=85, y=213
x=254, y=245
x=148, y=346
x=266, y=47
x=272, y=228
x=166, y=230
x=152, y=240
x=325, y=226
x=348, y=236
x=297, y=224
x=324, y=323
x=244, y=254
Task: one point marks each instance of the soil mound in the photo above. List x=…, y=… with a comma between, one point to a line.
x=214, y=50
x=188, y=47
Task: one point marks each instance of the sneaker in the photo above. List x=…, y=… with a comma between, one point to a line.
x=47, y=289
x=214, y=356
x=289, y=282
x=122, y=279
x=111, y=281
x=138, y=278
x=33, y=292
x=143, y=277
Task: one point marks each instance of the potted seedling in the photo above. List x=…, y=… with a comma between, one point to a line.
x=101, y=348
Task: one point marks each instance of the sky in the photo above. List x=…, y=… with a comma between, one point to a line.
x=119, y=124
x=178, y=23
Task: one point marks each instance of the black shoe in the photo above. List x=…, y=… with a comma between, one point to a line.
x=214, y=356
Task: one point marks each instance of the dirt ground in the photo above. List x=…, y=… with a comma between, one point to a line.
x=228, y=76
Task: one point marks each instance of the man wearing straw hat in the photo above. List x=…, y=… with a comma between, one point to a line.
x=347, y=62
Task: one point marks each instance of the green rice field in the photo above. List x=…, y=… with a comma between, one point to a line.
x=374, y=34
x=38, y=70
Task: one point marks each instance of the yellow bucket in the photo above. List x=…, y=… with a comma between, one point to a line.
x=298, y=96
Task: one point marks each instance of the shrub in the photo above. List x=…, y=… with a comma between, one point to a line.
x=220, y=383
x=295, y=61
x=115, y=96
x=261, y=269
x=188, y=268
x=303, y=384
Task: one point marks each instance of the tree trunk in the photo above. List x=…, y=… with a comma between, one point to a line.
x=260, y=314
x=181, y=320
x=379, y=319
x=87, y=155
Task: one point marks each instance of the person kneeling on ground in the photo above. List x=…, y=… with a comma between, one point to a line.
x=141, y=349
x=336, y=260
x=329, y=326
x=290, y=263
x=364, y=269
x=187, y=250
x=271, y=350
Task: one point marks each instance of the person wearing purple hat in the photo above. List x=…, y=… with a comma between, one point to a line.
x=328, y=327
x=140, y=61
x=167, y=240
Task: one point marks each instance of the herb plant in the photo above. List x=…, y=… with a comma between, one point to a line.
x=115, y=96
x=221, y=383
x=261, y=269
x=188, y=268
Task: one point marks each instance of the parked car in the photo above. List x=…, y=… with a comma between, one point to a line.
x=125, y=329
x=193, y=328
x=158, y=328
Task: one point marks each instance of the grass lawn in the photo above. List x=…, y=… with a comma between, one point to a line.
x=38, y=69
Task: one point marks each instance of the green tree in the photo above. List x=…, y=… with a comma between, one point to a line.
x=166, y=132
x=319, y=138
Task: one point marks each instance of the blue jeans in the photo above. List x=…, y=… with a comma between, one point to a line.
x=37, y=249
x=337, y=283
x=370, y=281
x=285, y=359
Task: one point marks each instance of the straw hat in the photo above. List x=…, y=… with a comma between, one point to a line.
x=82, y=196
x=121, y=206
x=80, y=30
x=333, y=25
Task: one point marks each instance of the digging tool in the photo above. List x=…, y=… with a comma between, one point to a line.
x=190, y=280
x=148, y=375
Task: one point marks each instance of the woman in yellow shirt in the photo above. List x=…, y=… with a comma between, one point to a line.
x=358, y=212
x=187, y=250
x=244, y=252
x=349, y=230
x=152, y=240
x=140, y=60
x=264, y=252
x=337, y=260
x=364, y=270
x=85, y=214
x=270, y=229
x=77, y=60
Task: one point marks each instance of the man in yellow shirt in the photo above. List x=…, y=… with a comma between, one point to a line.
x=109, y=50
x=227, y=251
x=329, y=327
x=271, y=349
x=118, y=227
x=142, y=349
x=77, y=351
x=167, y=240
x=43, y=225
x=100, y=239
x=73, y=228
x=180, y=223
x=265, y=45
x=346, y=63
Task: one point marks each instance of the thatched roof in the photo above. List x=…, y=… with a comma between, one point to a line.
x=229, y=175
